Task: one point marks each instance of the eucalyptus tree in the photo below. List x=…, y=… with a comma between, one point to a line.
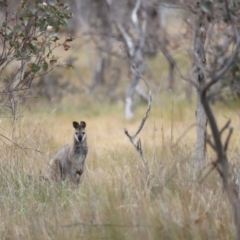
x=135, y=24
x=216, y=29
x=216, y=21
x=28, y=36
x=138, y=33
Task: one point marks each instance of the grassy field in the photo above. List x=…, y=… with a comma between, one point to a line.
x=114, y=200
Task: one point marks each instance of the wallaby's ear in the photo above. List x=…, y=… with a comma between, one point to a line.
x=83, y=124
x=75, y=125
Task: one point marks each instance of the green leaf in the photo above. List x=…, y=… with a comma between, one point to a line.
x=53, y=61
x=4, y=24
x=18, y=53
x=235, y=5
x=11, y=43
x=206, y=6
x=68, y=15
x=64, y=22
x=234, y=13
x=225, y=18
x=52, y=2
x=56, y=39
x=32, y=47
x=28, y=58
x=45, y=66
x=66, y=7
x=9, y=36
x=57, y=29
x=32, y=9
x=35, y=68
x=16, y=28
x=23, y=4
x=25, y=21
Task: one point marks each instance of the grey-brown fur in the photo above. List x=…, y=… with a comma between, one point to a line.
x=68, y=162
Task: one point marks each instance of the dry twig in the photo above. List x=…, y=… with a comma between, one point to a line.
x=137, y=144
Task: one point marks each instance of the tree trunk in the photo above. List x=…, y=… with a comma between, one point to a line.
x=201, y=126
x=15, y=98
x=171, y=64
x=143, y=95
x=171, y=79
x=165, y=51
x=200, y=61
x=137, y=71
x=189, y=86
x=99, y=72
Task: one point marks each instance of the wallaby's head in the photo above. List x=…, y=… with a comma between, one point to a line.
x=80, y=133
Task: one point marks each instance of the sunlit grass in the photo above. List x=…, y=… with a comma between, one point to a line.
x=114, y=200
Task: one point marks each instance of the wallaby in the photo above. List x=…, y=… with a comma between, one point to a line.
x=68, y=162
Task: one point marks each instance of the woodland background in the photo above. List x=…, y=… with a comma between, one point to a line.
x=108, y=62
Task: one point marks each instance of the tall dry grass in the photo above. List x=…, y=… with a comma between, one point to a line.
x=114, y=201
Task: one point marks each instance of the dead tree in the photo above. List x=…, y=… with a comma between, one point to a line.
x=134, y=23
x=207, y=77
x=201, y=28
x=222, y=164
x=137, y=145
x=220, y=148
x=164, y=47
x=136, y=47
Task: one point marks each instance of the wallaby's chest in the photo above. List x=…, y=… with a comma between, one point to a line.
x=80, y=153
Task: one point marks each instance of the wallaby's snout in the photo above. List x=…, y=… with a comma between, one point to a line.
x=79, y=136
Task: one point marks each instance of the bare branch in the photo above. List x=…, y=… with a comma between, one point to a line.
x=209, y=141
x=183, y=134
x=22, y=148
x=148, y=109
x=137, y=144
x=233, y=56
x=225, y=126
x=222, y=163
x=94, y=224
x=213, y=166
x=134, y=12
x=127, y=39
x=228, y=138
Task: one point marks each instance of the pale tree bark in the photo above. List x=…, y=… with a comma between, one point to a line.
x=135, y=49
x=137, y=70
x=99, y=72
x=103, y=44
x=221, y=164
x=138, y=145
x=171, y=64
x=201, y=28
x=136, y=24
x=139, y=36
x=189, y=87
x=165, y=50
x=15, y=98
